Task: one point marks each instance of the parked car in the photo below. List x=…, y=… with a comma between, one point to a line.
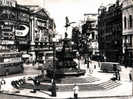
x=110, y=66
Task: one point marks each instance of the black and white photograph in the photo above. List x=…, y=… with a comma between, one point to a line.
x=66, y=49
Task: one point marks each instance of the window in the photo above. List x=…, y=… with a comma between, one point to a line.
x=129, y=40
x=125, y=22
x=130, y=21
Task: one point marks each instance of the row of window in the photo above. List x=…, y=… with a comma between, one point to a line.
x=128, y=22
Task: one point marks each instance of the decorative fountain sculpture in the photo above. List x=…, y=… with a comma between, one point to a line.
x=64, y=65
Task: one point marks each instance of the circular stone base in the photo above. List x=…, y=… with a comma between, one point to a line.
x=61, y=73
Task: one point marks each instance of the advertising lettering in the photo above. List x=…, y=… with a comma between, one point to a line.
x=9, y=28
x=10, y=3
x=12, y=60
x=22, y=30
x=7, y=42
x=8, y=35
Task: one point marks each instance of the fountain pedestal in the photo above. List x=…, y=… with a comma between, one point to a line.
x=64, y=65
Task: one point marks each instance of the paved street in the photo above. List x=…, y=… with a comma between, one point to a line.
x=96, y=84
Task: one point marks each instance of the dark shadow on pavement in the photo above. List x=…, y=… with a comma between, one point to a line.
x=45, y=92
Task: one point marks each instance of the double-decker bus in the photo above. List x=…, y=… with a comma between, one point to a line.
x=11, y=62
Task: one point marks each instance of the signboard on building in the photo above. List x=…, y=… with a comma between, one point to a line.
x=22, y=34
x=7, y=31
x=10, y=3
x=22, y=31
x=7, y=35
x=23, y=17
x=6, y=42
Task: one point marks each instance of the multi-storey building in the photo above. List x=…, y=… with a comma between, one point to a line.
x=110, y=32
x=42, y=27
x=89, y=34
x=8, y=20
x=10, y=59
x=14, y=25
x=25, y=28
x=127, y=17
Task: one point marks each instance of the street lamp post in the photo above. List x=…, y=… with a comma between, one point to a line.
x=53, y=90
x=78, y=56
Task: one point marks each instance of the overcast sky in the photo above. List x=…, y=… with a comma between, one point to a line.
x=74, y=9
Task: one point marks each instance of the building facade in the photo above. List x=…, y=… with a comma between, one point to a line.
x=42, y=27
x=110, y=32
x=10, y=58
x=127, y=17
x=14, y=25
x=25, y=29
x=90, y=35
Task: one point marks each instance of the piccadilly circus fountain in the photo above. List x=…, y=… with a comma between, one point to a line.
x=63, y=62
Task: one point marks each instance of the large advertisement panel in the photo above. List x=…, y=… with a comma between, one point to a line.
x=22, y=33
x=7, y=30
x=22, y=29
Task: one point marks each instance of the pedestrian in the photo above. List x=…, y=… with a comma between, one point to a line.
x=130, y=76
x=42, y=72
x=33, y=62
x=88, y=62
x=0, y=87
x=91, y=68
x=36, y=83
x=44, y=60
x=53, y=89
x=119, y=77
x=95, y=66
x=87, y=65
x=76, y=91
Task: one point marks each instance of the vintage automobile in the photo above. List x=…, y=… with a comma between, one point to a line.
x=110, y=66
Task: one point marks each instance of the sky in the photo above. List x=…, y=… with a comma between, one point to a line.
x=73, y=9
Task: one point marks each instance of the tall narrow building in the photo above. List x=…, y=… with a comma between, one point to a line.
x=127, y=11
x=110, y=32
